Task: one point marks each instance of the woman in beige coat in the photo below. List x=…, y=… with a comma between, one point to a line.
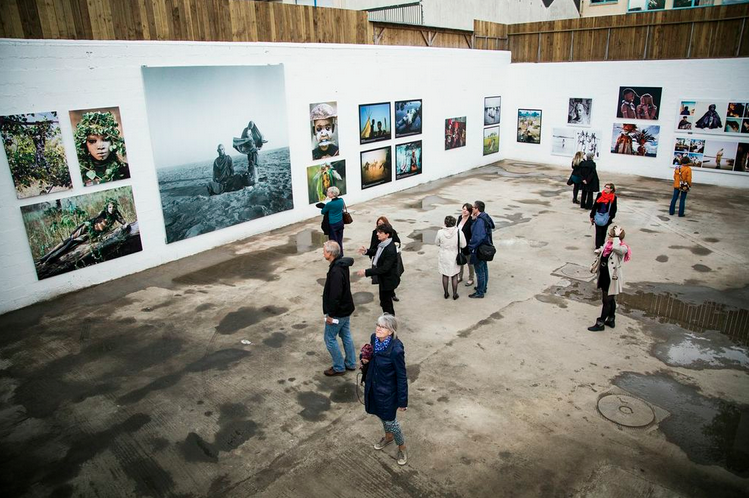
x=449, y=240
x=608, y=267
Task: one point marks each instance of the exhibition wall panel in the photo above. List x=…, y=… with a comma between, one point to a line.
x=42, y=77
x=550, y=87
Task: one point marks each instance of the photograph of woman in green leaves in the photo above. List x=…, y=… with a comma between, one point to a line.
x=100, y=145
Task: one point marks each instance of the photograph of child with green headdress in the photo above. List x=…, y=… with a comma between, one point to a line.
x=100, y=145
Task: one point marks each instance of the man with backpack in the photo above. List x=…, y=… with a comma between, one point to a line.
x=481, y=246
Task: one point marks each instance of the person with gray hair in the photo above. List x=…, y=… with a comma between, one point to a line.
x=338, y=305
x=386, y=385
x=333, y=211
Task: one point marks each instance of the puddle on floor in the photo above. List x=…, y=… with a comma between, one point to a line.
x=509, y=220
x=709, y=351
x=431, y=201
x=707, y=429
x=421, y=237
x=310, y=239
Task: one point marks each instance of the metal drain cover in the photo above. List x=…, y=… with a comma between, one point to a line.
x=626, y=410
x=574, y=272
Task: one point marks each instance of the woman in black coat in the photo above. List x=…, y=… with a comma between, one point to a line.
x=382, y=220
x=605, y=208
x=386, y=385
x=590, y=181
x=465, y=223
x=385, y=268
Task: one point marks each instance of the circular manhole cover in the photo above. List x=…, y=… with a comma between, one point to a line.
x=626, y=410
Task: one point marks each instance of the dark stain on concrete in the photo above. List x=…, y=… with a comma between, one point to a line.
x=430, y=202
x=648, y=230
x=314, y=405
x=697, y=250
x=321, y=281
x=149, y=477
x=705, y=428
x=663, y=218
x=310, y=353
x=702, y=268
x=662, y=258
x=363, y=297
x=155, y=307
x=412, y=372
x=127, y=321
x=235, y=428
x=555, y=300
x=571, y=248
x=204, y=306
x=247, y=316
x=535, y=202
x=276, y=340
x=443, y=399
x=509, y=220
x=711, y=239
x=343, y=393
x=299, y=326
x=420, y=237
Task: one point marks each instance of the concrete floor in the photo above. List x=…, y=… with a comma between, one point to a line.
x=141, y=386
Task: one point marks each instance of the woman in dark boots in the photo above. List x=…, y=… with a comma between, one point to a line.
x=589, y=177
x=608, y=266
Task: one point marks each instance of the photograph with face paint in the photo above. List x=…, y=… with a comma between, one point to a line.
x=100, y=145
x=639, y=102
x=68, y=234
x=323, y=118
x=36, y=156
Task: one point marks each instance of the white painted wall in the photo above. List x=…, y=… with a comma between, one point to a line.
x=63, y=75
x=549, y=86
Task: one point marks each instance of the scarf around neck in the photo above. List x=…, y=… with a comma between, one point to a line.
x=606, y=197
x=381, y=247
x=609, y=246
x=381, y=346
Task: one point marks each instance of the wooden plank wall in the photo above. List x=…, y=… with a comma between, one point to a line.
x=420, y=36
x=490, y=35
x=181, y=20
x=675, y=34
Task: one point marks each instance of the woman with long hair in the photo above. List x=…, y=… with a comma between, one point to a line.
x=575, y=178
x=608, y=267
x=465, y=223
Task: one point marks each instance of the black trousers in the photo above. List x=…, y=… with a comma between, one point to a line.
x=601, y=234
x=386, y=300
x=586, y=202
x=575, y=190
x=608, y=308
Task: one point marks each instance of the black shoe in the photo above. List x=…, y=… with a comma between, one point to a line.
x=455, y=296
x=597, y=327
x=447, y=295
x=395, y=298
x=575, y=201
x=476, y=295
x=351, y=369
x=611, y=322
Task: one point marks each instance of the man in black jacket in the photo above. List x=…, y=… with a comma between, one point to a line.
x=337, y=305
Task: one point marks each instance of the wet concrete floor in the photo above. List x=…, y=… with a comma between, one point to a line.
x=203, y=377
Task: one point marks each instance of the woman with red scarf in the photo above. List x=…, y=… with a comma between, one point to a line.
x=608, y=266
x=603, y=212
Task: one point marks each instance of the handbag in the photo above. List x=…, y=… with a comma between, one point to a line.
x=602, y=219
x=486, y=250
x=347, y=219
x=683, y=186
x=460, y=258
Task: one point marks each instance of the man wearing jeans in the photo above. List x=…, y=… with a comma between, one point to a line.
x=338, y=304
x=481, y=232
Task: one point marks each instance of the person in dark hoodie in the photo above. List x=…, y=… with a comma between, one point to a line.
x=337, y=305
x=481, y=232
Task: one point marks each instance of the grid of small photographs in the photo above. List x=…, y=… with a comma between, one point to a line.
x=67, y=233
x=713, y=116
x=710, y=153
x=492, y=115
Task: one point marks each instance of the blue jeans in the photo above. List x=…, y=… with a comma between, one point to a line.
x=682, y=201
x=332, y=331
x=336, y=233
x=482, y=276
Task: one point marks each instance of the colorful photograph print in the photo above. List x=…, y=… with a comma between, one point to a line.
x=733, y=125
x=719, y=155
x=704, y=116
x=578, y=111
x=84, y=230
x=455, y=133
x=407, y=118
x=634, y=140
x=376, y=167
x=735, y=110
x=323, y=176
x=491, y=140
x=100, y=145
x=374, y=122
x=407, y=160
x=529, y=126
x=639, y=102
x=323, y=118
x=742, y=157
x=492, y=110
x=36, y=156
x=221, y=149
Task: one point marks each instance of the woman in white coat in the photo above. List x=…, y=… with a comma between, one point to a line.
x=449, y=240
x=608, y=267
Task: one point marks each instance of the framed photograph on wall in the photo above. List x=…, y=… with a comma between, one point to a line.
x=407, y=160
x=491, y=140
x=407, y=118
x=323, y=117
x=492, y=110
x=578, y=111
x=321, y=177
x=36, y=156
x=374, y=122
x=632, y=139
x=376, y=167
x=83, y=230
x=100, y=145
x=639, y=102
x=529, y=126
x=455, y=132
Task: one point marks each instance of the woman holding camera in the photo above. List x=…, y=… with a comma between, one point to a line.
x=608, y=267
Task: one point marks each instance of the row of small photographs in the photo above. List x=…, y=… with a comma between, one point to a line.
x=36, y=155
x=376, y=169
x=730, y=117
x=713, y=154
x=375, y=122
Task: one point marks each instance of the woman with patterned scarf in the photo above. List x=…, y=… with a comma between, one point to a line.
x=603, y=212
x=608, y=266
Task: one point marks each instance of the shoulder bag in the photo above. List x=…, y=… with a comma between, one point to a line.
x=486, y=250
x=347, y=219
x=602, y=219
x=460, y=258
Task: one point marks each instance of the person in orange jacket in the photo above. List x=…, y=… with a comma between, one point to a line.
x=682, y=184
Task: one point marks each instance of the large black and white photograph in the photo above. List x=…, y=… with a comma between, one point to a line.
x=220, y=145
